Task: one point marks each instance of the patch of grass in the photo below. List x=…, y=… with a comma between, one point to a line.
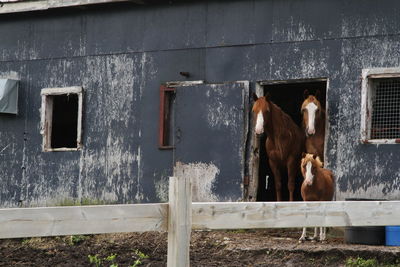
x=360, y=262
x=76, y=239
x=140, y=256
x=95, y=260
x=98, y=261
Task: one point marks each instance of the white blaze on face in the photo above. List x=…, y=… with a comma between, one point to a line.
x=260, y=123
x=311, y=110
x=309, y=176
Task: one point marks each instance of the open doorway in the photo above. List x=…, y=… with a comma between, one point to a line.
x=288, y=96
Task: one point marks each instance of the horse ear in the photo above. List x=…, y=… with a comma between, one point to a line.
x=303, y=155
x=306, y=94
x=255, y=97
x=317, y=94
x=314, y=156
x=267, y=96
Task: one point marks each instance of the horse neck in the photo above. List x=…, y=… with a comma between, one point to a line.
x=273, y=125
x=320, y=123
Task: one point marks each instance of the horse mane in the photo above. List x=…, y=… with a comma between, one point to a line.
x=310, y=157
x=283, y=123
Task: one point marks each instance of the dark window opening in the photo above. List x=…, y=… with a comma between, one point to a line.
x=167, y=96
x=64, y=121
x=385, y=119
x=289, y=97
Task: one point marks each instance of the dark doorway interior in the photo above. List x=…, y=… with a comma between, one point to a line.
x=64, y=121
x=289, y=97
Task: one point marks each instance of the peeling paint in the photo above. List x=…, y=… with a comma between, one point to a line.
x=119, y=160
x=202, y=175
x=162, y=188
x=220, y=114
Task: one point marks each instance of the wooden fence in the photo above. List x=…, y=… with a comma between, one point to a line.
x=180, y=216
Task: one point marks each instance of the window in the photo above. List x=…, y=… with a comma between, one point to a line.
x=61, y=121
x=380, y=107
x=165, y=119
x=8, y=96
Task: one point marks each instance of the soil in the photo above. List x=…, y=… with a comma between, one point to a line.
x=208, y=248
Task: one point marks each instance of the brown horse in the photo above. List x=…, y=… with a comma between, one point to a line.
x=318, y=185
x=313, y=124
x=284, y=144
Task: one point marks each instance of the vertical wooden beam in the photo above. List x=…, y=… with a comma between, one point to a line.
x=179, y=221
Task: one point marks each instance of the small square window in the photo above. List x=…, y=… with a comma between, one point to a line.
x=381, y=106
x=61, y=122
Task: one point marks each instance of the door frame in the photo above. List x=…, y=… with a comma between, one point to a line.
x=254, y=142
x=246, y=119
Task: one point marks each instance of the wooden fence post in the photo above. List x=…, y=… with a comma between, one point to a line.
x=179, y=221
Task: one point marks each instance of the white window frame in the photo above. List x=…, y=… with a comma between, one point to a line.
x=366, y=103
x=47, y=116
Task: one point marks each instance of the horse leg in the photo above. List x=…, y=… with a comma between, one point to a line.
x=303, y=236
x=277, y=179
x=292, y=172
x=322, y=234
x=315, y=237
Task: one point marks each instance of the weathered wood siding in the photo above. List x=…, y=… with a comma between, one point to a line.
x=120, y=54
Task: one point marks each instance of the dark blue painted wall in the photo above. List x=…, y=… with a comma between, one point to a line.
x=120, y=54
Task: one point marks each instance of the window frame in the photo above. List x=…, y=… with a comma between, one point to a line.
x=368, y=75
x=47, y=116
x=164, y=122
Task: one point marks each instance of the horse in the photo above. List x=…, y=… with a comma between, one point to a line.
x=284, y=143
x=318, y=185
x=313, y=124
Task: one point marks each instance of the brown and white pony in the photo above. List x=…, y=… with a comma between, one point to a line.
x=284, y=144
x=313, y=124
x=318, y=185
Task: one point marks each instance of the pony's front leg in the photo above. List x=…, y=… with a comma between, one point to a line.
x=322, y=234
x=315, y=237
x=303, y=236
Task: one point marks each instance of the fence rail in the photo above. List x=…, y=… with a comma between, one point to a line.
x=180, y=216
x=55, y=221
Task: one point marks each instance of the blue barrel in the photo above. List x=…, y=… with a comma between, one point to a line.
x=392, y=235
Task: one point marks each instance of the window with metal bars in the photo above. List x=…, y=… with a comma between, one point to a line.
x=381, y=106
x=385, y=119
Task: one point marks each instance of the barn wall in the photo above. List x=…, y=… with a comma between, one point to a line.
x=121, y=53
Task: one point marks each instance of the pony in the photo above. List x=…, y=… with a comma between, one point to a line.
x=318, y=185
x=313, y=124
x=284, y=143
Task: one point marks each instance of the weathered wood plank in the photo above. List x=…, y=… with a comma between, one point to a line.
x=250, y=215
x=179, y=222
x=14, y=7
x=54, y=221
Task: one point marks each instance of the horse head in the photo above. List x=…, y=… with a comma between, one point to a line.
x=311, y=109
x=261, y=108
x=309, y=164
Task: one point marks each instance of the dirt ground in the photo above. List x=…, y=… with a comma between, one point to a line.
x=215, y=248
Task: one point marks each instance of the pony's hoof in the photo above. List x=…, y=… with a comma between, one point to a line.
x=301, y=240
